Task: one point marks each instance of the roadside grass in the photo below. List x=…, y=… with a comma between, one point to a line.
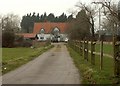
x=15, y=57
x=91, y=74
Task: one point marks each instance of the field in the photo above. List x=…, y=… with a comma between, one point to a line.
x=15, y=57
x=107, y=48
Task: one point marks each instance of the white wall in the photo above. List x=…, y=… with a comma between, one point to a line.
x=49, y=36
x=64, y=36
x=44, y=36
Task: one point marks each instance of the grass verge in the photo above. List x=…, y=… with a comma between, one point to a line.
x=91, y=74
x=15, y=57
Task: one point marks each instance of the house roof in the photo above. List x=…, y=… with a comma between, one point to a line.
x=49, y=26
x=27, y=35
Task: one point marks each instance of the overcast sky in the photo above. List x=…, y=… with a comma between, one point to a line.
x=22, y=7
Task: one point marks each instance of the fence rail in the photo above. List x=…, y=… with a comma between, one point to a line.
x=86, y=48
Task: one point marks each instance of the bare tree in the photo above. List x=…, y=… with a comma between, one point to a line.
x=79, y=28
x=110, y=11
x=10, y=22
x=91, y=12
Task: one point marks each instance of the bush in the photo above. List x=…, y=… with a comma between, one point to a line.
x=27, y=43
x=18, y=41
x=8, y=38
x=21, y=42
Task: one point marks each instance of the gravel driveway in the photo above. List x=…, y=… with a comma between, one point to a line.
x=52, y=67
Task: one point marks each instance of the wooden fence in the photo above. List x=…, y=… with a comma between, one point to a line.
x=85, y=48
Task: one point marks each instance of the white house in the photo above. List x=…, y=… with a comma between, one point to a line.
x=51, y=31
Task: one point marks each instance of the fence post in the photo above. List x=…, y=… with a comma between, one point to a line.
x=87, y=50
x=101, y=53
x=81, y=48
x=77, y=44
x=92, y=52
x=74, y=44
x=116, y=55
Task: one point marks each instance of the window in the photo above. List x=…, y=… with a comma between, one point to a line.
x=41, y=37
x=42, y=31
x=56, y=31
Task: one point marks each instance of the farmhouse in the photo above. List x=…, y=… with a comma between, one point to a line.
x=48, y=31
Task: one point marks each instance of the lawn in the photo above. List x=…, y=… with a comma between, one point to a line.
x=15, y=57
x=91, y=74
